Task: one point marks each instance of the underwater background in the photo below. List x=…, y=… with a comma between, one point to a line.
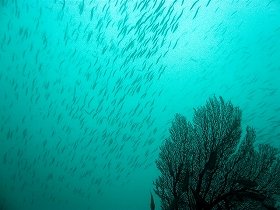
x=88, y=91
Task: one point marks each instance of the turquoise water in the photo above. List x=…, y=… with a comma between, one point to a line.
x=88, y=90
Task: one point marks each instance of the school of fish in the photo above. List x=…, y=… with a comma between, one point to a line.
x=83, y=98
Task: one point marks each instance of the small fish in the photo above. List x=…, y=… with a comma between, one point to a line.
x=63, y=5
x=194, y=5
x=81, y=7
x=208, y=3
x=196, y=12
x=91, y=13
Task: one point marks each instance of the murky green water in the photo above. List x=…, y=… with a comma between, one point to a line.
x=88, y=90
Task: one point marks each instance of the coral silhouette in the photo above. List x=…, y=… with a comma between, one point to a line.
x=205, y=164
